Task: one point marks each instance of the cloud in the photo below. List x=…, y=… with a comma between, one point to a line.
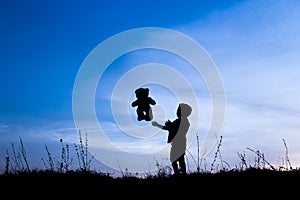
x=3, y=127
x=254, y=45
x=255, y=48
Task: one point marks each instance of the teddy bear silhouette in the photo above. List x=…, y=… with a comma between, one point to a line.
x=143, y=102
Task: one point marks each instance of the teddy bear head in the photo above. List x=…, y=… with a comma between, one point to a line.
x=142, y=93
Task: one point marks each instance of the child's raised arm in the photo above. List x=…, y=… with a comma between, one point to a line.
x=154, y=123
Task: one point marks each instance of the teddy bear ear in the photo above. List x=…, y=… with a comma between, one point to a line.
x=147, y=89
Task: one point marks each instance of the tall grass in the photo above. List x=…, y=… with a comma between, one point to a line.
x=16, y=161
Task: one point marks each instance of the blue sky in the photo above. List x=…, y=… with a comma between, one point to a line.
x=254, y=44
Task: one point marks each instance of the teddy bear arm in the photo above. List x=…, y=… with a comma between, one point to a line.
x=135, y=103
x=151, y=101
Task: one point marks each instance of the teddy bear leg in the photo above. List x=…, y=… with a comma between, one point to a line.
x=141, y=116
x=149, y=116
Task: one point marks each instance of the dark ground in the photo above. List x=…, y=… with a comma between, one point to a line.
x=252, y=183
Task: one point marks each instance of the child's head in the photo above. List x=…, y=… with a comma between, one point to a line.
x=184, y=110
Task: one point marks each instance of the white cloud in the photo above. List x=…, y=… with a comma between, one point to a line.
x=255, y=46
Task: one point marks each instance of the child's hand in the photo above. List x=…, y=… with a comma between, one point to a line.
x=168, y=122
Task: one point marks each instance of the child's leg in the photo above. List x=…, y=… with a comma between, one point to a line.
x=173, y=160
x=182, y=164
x=175, y=167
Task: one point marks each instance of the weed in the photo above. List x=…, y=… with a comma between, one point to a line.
x=82, y=154
x=16, y=162
x=19, y=159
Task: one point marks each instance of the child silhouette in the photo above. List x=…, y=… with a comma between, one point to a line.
x=177, y=131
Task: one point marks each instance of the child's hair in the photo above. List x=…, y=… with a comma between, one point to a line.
x=184, y=110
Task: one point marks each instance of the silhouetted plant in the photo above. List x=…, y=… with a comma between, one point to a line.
x=65, y=161
x=260, y=160
x=288, y=163
x=82, y=154
x=17, y=162
x=218, y=152
x=243, y=159
x=162, y=170
x=7, y=160
x=197, y=163
x=50, y=162
x=198, y=154
x=124, y=172
x=19, y=159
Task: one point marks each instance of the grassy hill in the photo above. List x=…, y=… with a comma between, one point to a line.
x=58, y=180
x=249, y=183
x=46, y=177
